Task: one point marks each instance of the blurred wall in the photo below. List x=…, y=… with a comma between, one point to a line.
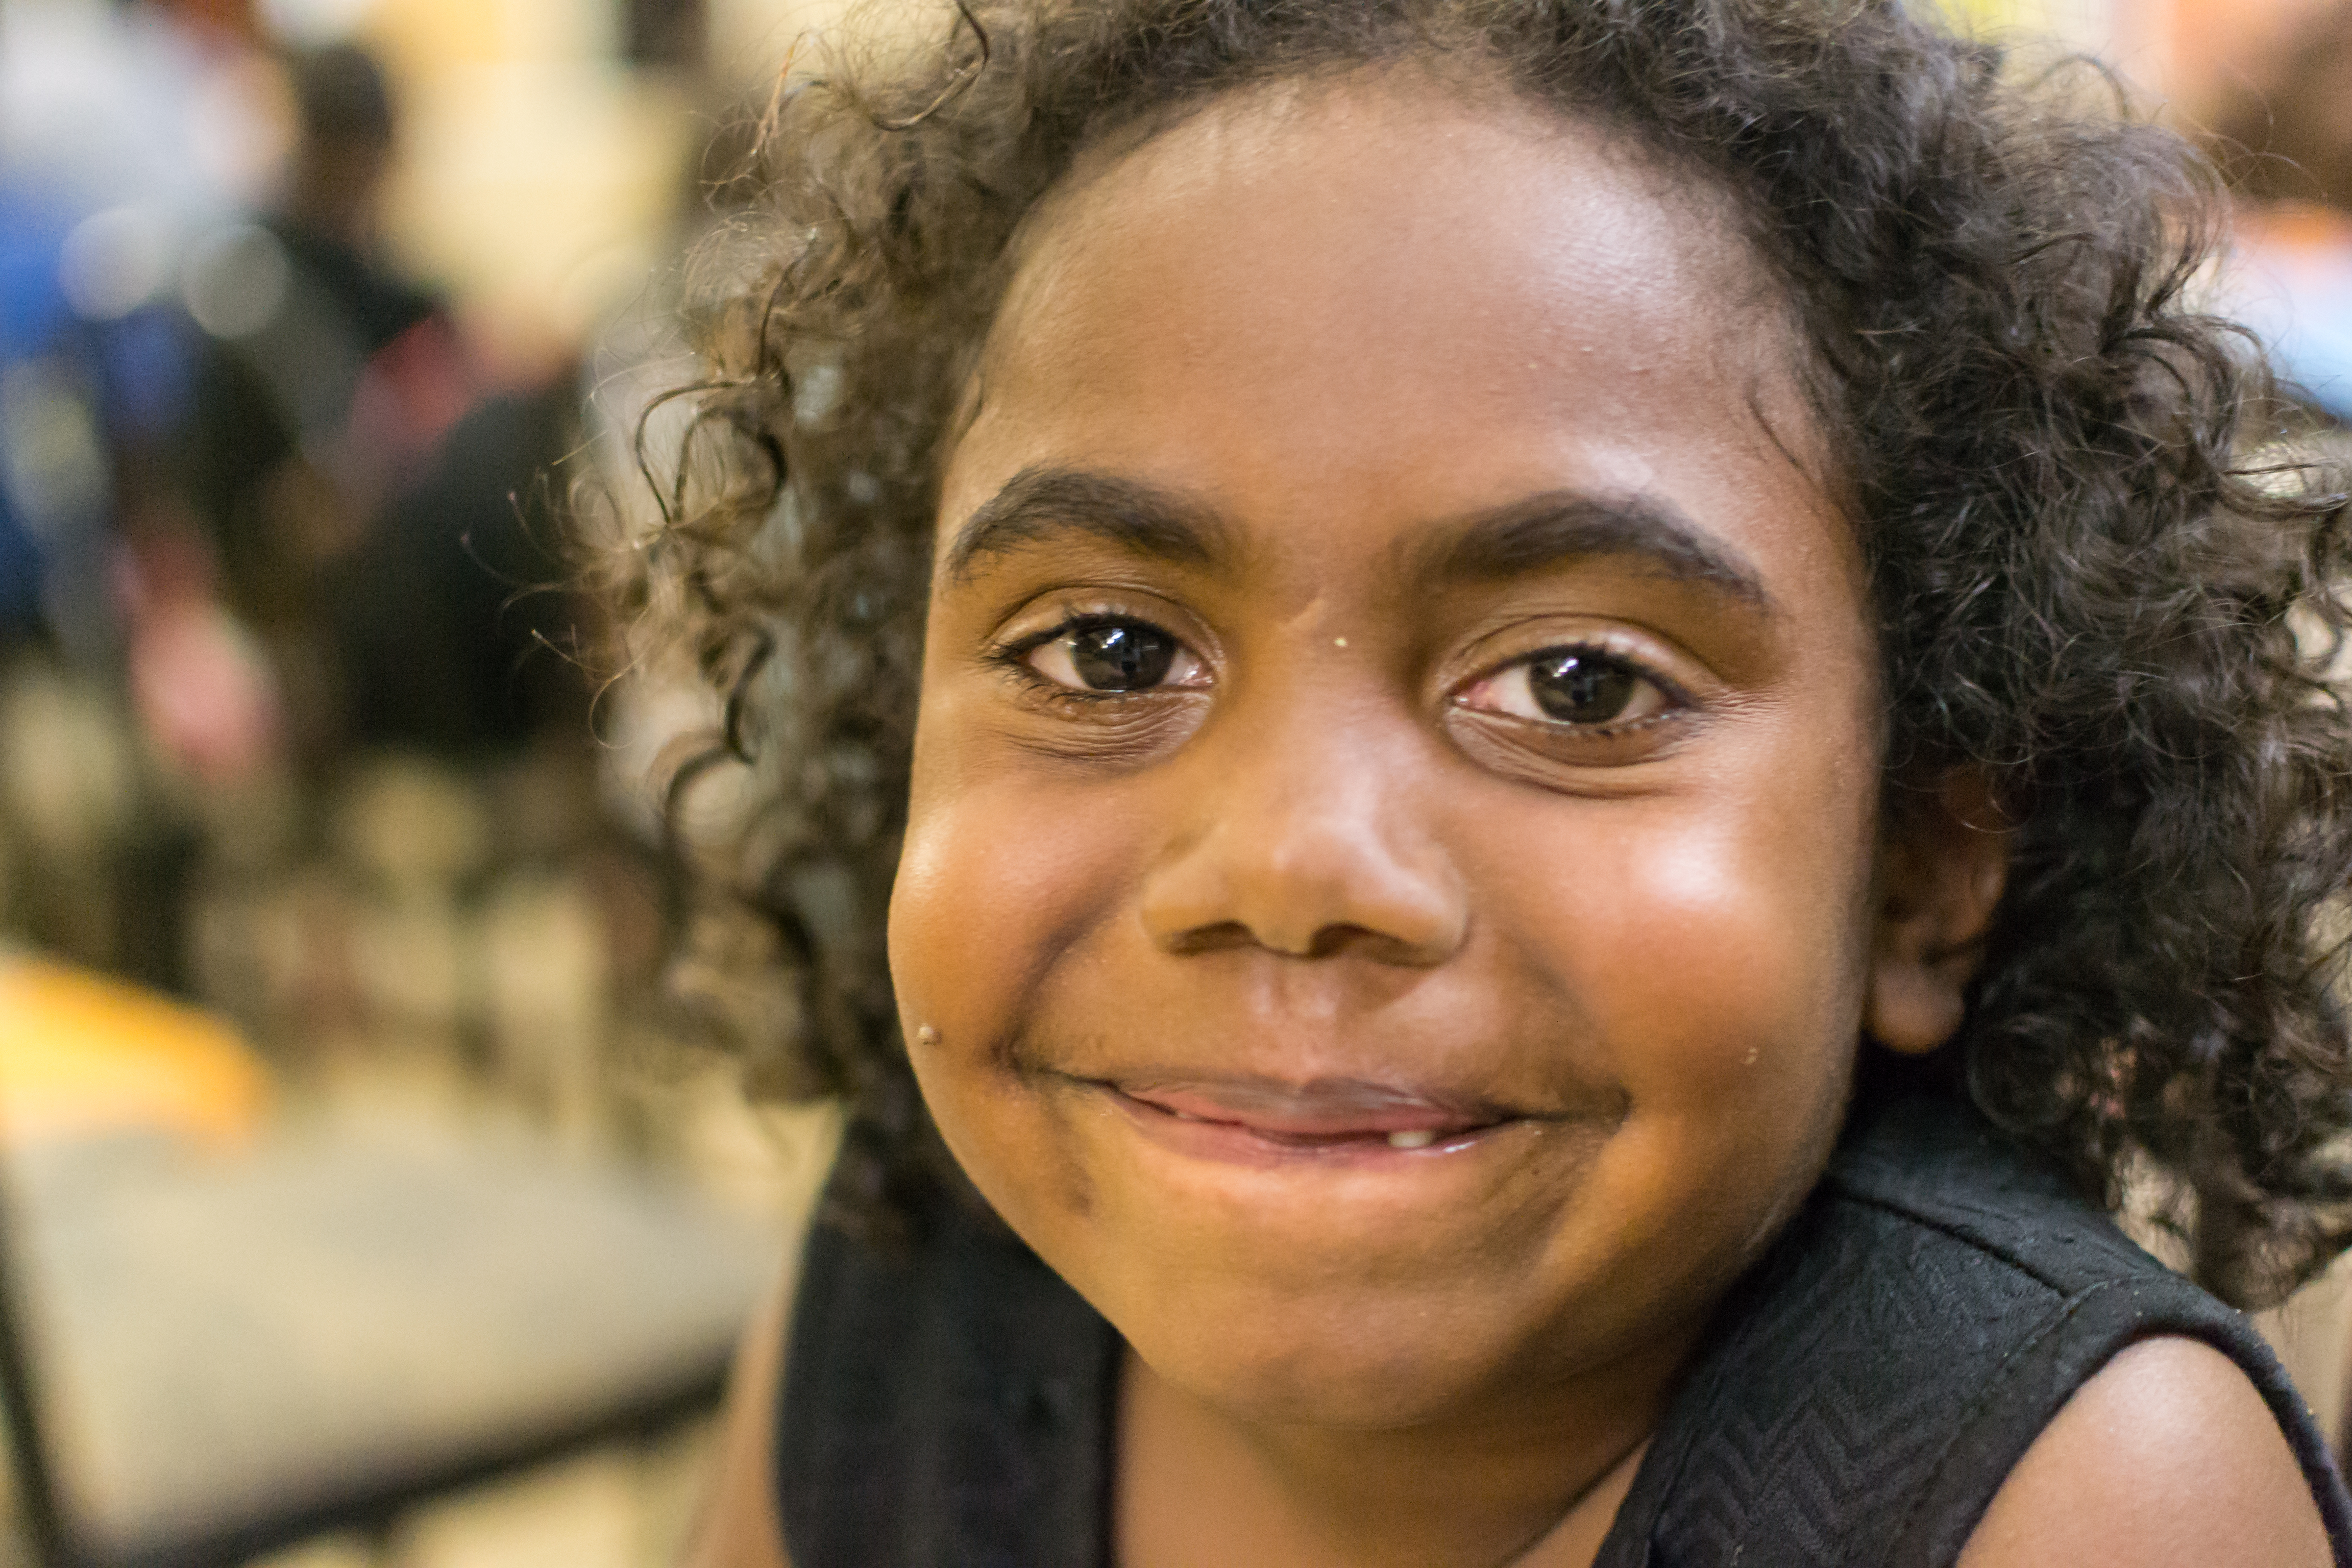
x=540, y=174
x=2183, y=53
x=750, y=39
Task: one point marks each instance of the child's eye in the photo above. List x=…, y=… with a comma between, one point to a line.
x=1583, y=687
x=1116, y=655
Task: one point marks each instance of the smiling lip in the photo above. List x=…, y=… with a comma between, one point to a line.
x=1258, y=1120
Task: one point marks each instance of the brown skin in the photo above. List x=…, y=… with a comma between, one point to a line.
x=1329, y=343
x=737, y=1526
x=2167, y=1456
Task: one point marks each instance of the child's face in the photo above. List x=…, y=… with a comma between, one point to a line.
x=1388, y=903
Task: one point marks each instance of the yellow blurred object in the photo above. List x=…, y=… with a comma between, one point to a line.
x=539, y=177
x=1989, y=14
x=80, y=1053
x=2080, y=21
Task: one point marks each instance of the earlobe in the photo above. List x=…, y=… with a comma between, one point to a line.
x=1942, y=866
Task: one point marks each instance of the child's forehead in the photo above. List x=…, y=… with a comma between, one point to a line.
x=1316, y=282
x=1354, y=178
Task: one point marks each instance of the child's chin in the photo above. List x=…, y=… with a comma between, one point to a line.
x=1307, y=1376
x=1337, y=1394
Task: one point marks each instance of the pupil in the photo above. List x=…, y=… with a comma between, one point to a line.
x=1124, y=658
x=1580, y=687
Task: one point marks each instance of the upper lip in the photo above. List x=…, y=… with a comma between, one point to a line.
x=1319, y=1108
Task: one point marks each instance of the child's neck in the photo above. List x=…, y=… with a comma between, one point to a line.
x=1535, y=1487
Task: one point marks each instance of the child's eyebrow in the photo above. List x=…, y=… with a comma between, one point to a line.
x=1557, y=526
x=1040, y=504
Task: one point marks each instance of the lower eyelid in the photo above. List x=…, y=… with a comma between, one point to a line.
x=1671, y=712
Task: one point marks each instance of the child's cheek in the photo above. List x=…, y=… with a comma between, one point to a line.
x=1718, y=959
x=1732, y=1028
x=980, y=896
x=1000, y=874
x=956, y=964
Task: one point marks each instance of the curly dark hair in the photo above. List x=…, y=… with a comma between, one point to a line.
x=2095, y=578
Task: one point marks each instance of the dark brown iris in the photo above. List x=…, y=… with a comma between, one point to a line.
x=1121, y=657
x=1577, y=685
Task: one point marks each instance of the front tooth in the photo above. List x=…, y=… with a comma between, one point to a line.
x=1419, y=1138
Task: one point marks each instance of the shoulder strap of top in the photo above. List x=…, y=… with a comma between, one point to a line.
x=1873, y=1381
x=946, y=1402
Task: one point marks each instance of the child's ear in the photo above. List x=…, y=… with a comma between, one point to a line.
x=1943, y=861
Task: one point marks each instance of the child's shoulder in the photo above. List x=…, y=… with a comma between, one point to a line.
x=1922, y=1326
x=2169, y=1455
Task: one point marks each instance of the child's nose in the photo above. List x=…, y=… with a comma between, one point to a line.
x=1307, y=845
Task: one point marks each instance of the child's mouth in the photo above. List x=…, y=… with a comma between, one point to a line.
x=1327, y=1116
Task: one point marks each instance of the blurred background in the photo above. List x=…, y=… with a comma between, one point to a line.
x=367, y=1196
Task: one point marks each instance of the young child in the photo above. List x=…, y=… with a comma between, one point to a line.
x=1513, y=748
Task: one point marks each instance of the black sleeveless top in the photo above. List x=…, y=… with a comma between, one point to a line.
x=1859, y=1398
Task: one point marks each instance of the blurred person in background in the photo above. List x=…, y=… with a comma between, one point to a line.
x=123, y=130
x=374, y=496
x=262, y=514
x=362, y=482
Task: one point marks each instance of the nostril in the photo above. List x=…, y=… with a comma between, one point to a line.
x=1379, y=946
x=1334, y=940
x=1220, y=937
x=1327, y=942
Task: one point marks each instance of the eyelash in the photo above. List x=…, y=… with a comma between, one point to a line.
x=1680, y=705
x=1016, y=656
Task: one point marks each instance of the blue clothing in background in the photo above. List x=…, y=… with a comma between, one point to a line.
x=74, y=396
x=2291, y=281
x=33, y=317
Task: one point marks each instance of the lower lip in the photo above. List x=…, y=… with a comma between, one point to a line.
x=1234, y=1143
